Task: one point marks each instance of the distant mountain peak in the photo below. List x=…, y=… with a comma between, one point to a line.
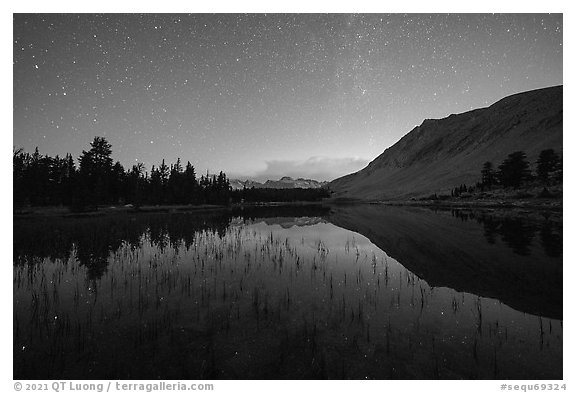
x=283, y=182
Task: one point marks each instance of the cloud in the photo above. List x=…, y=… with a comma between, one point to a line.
x=317, y=168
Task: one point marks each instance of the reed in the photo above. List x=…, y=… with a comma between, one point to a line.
x=179, y=300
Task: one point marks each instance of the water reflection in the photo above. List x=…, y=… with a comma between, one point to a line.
x=93, y=239
x=518, y=232
x=351, y=292
x=498, y=259
x=551, y=238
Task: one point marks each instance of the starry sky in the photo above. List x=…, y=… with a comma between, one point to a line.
x=265, y=95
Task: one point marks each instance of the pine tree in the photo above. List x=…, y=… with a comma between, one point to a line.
x=155, y=186
x=190, y=184
x=176, y=184
x=514, y=170
x=164, y=172
x=45, y=180
x=135, y=184
x=96, y=172
x=487, y=174
x=20, y=163
x=548, y=163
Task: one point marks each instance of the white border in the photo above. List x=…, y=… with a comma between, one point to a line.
x=301, y=6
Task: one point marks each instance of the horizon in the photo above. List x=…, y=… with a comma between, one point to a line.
x=265, y=96
x=279, y=176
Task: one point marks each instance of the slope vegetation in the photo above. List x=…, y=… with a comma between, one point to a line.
x=441, y=154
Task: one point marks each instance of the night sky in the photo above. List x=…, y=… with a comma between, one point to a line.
x=265, y=95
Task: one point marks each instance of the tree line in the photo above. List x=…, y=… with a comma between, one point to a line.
x=515, y=172
x=41, y=180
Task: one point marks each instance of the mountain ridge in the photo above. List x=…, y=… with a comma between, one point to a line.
x=283, y=183
x=443, y=153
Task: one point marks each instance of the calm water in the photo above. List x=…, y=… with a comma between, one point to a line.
x=352, y=292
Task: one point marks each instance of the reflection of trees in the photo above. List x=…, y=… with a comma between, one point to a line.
x=463, y=215
x=94, y=239
x=93, y=251
x=444, y=252
x=490, y=227
x=159, y=236
x=518, y=234
x=551, y=237
x=514, y=232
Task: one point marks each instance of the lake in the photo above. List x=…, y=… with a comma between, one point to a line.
x=347, y=292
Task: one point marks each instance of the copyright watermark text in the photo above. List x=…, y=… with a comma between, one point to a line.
x=70, y=386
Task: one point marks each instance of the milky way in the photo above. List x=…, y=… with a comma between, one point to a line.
x=265, y=95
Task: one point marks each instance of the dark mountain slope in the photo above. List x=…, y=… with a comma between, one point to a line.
x=441, y=154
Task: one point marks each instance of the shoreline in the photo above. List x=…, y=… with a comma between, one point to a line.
x=541, y=204
x=63, y=211
x=553, y=206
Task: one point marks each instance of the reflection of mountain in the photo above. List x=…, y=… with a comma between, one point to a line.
x=289, y=222
x=502, y=259
x=511, y=259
